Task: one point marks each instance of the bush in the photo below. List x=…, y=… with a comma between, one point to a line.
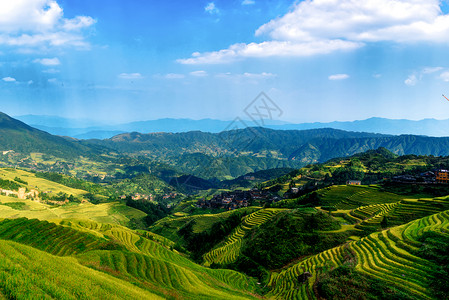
x=290, y=236
x=435, y=247
x=345, y=282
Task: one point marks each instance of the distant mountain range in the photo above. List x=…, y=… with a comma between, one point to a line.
x=88, y=129
x=224, y=155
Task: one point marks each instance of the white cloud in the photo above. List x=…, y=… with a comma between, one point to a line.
x=40, y=23
x=313, y=25
x=444, y=76
x=417, y=76
x=53, y=80
x=130, y=76
x=78, y=23
x=248, y=2
x=430, y=70
x=338, y=77
x=9, y=79
x=174, y=76
x=411, y=80
x=259, y=75
x=269, y=49
x=51, y=71
x=263, y=75
x=199, y=73
x=369, y=20
x=54, y=39
x=211, y=8
x=48, y=61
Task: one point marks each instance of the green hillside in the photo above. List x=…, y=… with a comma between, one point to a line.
x=229, y=251
x=143, y=260
x=68, y=224
x=27, y=273
x=393, y=260
x=17, y=136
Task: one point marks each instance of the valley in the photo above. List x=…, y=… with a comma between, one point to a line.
x=130, y=222
x=202, y=150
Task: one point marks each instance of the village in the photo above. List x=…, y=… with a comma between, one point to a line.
x=238, y=198
x=428, y=177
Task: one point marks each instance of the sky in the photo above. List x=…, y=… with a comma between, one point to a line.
x=316, y=60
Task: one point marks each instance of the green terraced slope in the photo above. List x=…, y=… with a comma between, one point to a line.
x=351, y=197
x=144, y=259
x=229, y=252
x=169, y=226
x=49, y=237
x=27, y=273
x=388, y=256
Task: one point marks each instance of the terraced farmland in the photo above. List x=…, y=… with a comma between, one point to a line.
x=372, y=215
x=351, y=197
x=387, y=256
x=153, y=266
x=27, y=273
x=170, y=278
x=369, y=218
x=112, y=212
x=151, y=262
x=49, y=237
x=230, y=250
x=41, y=184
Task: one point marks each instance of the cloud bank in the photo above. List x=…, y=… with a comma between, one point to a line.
x=40, y=23
x=315, y=27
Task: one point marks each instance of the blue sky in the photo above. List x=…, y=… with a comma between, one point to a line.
x=318, y=60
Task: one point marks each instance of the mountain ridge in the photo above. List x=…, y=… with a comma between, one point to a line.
x=88, y=129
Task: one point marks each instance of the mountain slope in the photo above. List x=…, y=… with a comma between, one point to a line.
x=393, y=260
x=17, y=136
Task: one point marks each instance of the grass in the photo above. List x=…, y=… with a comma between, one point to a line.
x=112, y=212
x=42, y=185
x=16, y=205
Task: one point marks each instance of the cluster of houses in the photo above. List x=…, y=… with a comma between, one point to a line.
x=429, y=177
x=150, y=197
x=138, y=196
x=237, y=199
x=170, y=196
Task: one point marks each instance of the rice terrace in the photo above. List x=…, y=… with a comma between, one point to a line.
x=212, y=149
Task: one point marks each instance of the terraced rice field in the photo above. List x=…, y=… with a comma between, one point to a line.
x=385, y=255
x=411, y=208
x=169, y=226
x=152, y=265
x=230, y=250
x=351, y=197
x=38, y=183
x=49, y=237
x=151, y=262
x=112, y=212
x=27, y=273
x=371, y=216
x=284, y=285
